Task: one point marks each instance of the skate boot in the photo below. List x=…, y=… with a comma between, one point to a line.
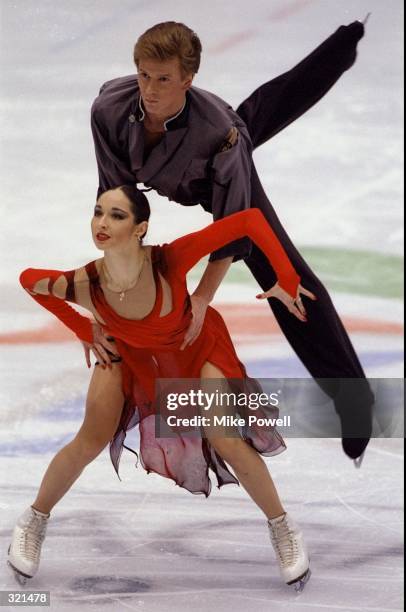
x=25, y=548
x=291, y=552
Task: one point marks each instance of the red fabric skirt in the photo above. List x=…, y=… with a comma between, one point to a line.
x=186, y=460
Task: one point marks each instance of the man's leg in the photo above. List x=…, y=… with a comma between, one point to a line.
x=277, y=103
x=322, y=343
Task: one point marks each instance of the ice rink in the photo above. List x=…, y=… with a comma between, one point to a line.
x=335, y=179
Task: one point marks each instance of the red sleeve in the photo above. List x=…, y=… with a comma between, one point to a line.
x=185, y=252
x=79, y=324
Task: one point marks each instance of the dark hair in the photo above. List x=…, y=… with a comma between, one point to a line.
x=168, y=40
x=139, y=203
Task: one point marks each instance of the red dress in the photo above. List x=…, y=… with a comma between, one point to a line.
x=150, y=347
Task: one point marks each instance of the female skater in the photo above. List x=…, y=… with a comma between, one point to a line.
x=138, y=294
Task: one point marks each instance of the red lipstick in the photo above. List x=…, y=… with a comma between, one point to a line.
x=102, y=237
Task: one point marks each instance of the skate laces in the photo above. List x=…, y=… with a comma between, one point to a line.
x=31, y=537
x=285, y=543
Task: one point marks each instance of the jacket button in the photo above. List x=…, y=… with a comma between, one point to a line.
x=131, y=118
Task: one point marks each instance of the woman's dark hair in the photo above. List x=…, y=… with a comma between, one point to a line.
x=139, y=203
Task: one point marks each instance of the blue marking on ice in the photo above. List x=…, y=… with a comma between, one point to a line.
x=66, y=411
x=380, y=358
x=73, y=410
x=70, y=412
x=272, y=368
x=269, y=367
x=38, y=446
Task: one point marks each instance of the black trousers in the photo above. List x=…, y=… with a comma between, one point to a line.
x=322, y=343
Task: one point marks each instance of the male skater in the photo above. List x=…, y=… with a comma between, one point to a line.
x=157, y=129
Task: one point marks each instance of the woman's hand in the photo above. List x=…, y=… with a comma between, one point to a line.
x=199, y=307
x=98, y=347
x=295, y=306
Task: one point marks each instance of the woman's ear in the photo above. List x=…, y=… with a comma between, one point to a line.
x=141, y=228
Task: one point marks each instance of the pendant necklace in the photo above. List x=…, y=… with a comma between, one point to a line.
x=122, y=292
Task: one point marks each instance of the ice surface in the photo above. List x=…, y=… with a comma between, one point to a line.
x=334, y=177
x=145, y=544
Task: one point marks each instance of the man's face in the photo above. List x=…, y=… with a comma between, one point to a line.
x=162, y=86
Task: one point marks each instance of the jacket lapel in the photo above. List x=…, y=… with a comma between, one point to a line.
x=160, y=155
x=136, y=145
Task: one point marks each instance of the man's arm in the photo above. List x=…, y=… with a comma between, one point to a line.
x=204, y=293
x=231, y=187
x=231, y=191
x=213, y=275
x=113, y=170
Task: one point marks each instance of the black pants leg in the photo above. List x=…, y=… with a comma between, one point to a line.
x=277, y=103
x=322, y=343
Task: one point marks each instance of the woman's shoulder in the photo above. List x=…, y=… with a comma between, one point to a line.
x=82, y=273
x=159, y=255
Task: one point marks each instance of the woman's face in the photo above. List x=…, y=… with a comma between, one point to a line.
x=113, y=221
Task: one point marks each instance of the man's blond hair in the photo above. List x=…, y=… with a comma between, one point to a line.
x=169, y=40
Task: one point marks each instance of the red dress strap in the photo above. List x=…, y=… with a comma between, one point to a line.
x=159, y=294
x=70, y=287
x=92, y=272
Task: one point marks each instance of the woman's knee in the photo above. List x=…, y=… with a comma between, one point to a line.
x=98, y=404
x=209, y=371
x=88, y=446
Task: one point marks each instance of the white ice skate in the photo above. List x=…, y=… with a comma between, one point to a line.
x=291, y=552
x=25, y=548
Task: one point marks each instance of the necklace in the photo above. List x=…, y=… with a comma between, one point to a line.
x=121, y=292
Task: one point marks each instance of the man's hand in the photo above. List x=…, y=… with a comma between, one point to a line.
x=98, y=347
x=295, y=306
x=203, y=295
x=199, y=307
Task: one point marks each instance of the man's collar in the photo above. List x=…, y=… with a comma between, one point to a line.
x=173, y=123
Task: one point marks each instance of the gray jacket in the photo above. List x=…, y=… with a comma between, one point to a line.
x=187, y=166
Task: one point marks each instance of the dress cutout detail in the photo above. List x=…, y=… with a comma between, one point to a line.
x=150, y=349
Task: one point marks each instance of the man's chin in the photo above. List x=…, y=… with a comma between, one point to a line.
x=152, y=106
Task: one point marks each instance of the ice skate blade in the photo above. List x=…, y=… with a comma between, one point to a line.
x=358, y=461
x=366, y=18
x=20, y=578
x=301, y=582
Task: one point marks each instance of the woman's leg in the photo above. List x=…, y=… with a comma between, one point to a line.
x=248, y=465
x=103, y=409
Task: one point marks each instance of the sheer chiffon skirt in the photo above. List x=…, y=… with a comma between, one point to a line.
x=184, y=459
